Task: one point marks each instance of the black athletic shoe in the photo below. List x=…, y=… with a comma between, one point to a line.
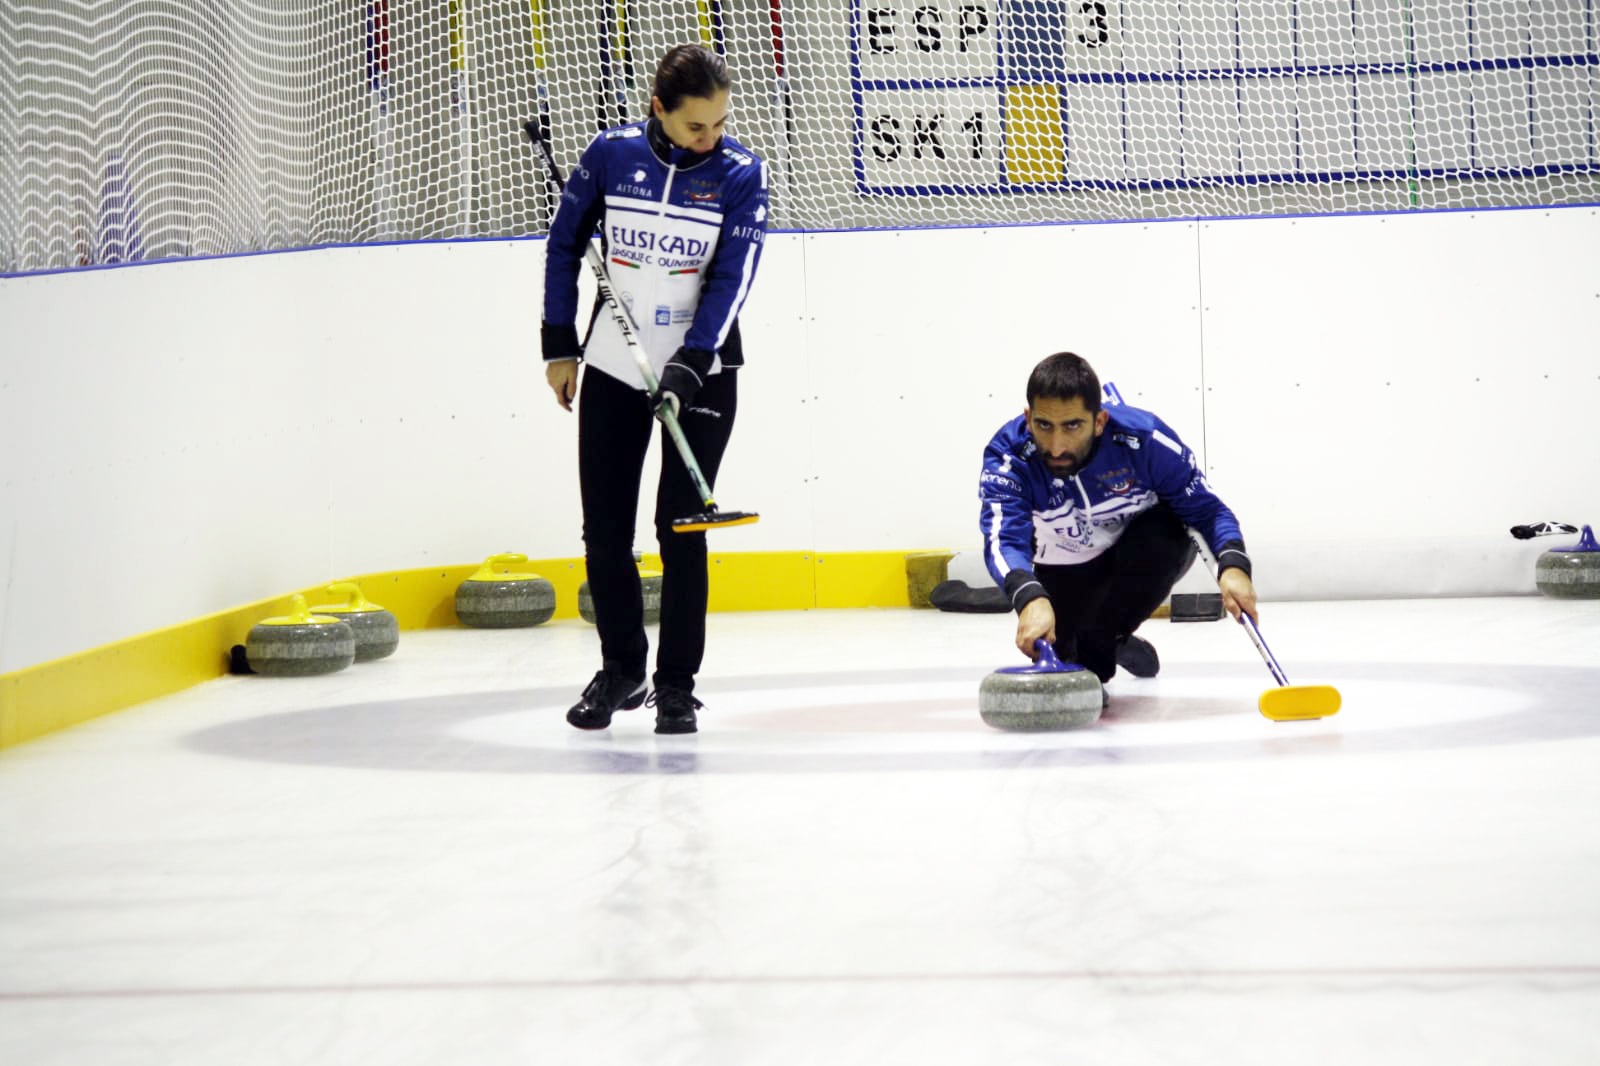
x=674, y=710
x=606, y=695
x=1137, y=656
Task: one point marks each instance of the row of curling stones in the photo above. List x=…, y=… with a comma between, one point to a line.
x=504, y=599
x=1048, y=694
x=322, y=639
x=1571, y=573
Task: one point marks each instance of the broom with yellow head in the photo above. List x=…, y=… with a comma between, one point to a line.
x=710, y=517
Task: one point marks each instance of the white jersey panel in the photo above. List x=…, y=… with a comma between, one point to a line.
x=656, y=256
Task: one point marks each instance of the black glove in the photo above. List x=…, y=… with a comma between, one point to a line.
x=559, y=342
x=682, y=377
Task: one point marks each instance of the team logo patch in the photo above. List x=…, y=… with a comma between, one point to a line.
x=1118, y=482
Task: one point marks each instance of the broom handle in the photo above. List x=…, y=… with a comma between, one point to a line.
x=1114, y=397
x=1261, y=646
x=1250, y=628
x=630, y=334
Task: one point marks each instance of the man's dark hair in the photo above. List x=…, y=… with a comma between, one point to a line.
x=689, y=70
x=1065, y=376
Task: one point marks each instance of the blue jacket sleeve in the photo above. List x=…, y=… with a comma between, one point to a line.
x=733, y=267
x=1177, y=479
x=577, y=214
x=1005, y=519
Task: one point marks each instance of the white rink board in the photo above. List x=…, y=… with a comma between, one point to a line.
x=180, y=438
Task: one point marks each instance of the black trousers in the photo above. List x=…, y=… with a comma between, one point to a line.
x=1106, y=598
x=614, y=427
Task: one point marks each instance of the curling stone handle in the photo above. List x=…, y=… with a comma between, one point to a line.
x=1047, y=655
x=487, y=571
x=508, y=558
x=352, y=594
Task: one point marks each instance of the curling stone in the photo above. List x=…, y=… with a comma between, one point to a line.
x=377, y=631
x=300, y=644
x=1571, y=573
x=649, y=581
x=504, y=600
x=1050, y=694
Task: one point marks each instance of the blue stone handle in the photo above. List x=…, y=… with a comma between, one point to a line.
x=1046, y=659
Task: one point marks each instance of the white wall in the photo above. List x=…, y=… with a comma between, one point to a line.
x=1378, y=397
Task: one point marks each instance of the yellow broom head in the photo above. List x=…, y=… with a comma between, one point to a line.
x=1297, y=703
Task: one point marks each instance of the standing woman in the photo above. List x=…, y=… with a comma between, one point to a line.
x=682, y=210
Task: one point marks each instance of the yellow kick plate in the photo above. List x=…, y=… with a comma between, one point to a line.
x=1296, y=703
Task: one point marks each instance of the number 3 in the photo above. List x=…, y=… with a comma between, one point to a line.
x=1097, y=11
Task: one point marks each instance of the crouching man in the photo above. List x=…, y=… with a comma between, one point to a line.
x=1084, y=516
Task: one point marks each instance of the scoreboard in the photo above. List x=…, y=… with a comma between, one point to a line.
x=1002, y=96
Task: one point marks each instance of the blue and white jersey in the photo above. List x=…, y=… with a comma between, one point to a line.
x=682, y=240
x=1030, y=516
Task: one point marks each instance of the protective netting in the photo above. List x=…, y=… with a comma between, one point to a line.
x=140, y=129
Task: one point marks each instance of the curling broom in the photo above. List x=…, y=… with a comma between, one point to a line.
x=1289, y=703
x=1286, y=703
x=711, y=517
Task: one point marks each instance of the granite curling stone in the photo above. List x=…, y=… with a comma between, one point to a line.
x=1049, y=694
x=300, y=644
x=650, y=585
x=504, y=600
x=1571, y=573
x=377, y=631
